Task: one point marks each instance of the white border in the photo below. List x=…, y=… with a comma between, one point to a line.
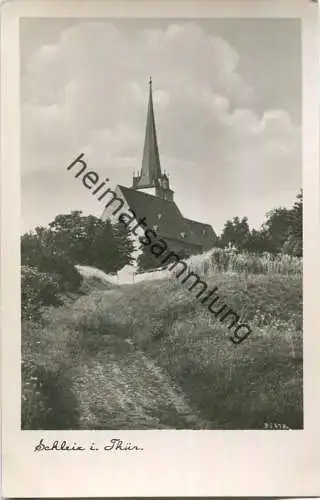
x=181, y=463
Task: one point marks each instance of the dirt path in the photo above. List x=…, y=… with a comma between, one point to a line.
x=129, y=391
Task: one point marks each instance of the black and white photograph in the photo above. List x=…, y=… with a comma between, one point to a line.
x=160, y=175
x=161, y=254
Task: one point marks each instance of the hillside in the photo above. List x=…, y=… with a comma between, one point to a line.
x=148, y=355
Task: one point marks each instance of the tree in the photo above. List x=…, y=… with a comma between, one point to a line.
x=236, y=233
x=284, y=228
x=281, y=232
x=49, y=257
x=88, y=240
x=124, y=244
x=37, y=251
x=277, y=228
x=146, y=260
x=103, y=252
x=113, y=247
x=294, y=243
x=75, y=234
x=258, y=241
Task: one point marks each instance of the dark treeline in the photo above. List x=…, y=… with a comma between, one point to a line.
x=85, y=240
x=280, y=233
x=49, y=256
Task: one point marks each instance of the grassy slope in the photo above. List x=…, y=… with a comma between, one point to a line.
x=150, y=356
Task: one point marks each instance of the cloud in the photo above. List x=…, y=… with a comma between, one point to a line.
x=88, y=93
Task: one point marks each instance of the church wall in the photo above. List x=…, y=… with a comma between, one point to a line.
x=181, y=246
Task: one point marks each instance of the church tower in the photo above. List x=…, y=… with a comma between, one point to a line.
x=150, y=179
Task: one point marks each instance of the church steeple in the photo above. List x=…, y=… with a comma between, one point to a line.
x=151, y=179
x=151, y=168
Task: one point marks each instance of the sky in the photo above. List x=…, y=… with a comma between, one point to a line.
x=227, y=100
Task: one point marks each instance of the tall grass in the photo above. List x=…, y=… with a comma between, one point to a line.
x=222, y=260
x=83, y=367
x=107, y=386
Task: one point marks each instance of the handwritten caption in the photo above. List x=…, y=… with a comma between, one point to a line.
x=114, y=445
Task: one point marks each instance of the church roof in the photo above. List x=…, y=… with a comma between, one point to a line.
x=151, y=168
x=165, y=218
x=202, y=233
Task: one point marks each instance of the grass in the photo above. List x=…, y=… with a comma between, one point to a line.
x=149, y=355
x=222, y=260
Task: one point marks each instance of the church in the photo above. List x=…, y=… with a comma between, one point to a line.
x=151, y=197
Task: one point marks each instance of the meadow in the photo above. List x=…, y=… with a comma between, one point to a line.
x=147, y=355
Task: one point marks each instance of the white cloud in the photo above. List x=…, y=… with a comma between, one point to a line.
x=88, y=93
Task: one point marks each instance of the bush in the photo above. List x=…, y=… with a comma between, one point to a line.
x=67, y=275
x=37, y=289
x=48, y=260
x=45, y=273
x=48, y=401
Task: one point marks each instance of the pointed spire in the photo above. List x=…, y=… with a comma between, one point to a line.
x=151, y=168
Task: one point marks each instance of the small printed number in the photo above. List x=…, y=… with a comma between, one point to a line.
x=273, y=426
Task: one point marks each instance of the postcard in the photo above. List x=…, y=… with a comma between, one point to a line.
x=159, y=248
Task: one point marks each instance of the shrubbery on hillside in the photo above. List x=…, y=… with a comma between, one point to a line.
x=48, y=401
x=52, y=253
x=45, y=273
x=48, y=260
x=231, y=386
x=37, y=290
x=45, y=383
